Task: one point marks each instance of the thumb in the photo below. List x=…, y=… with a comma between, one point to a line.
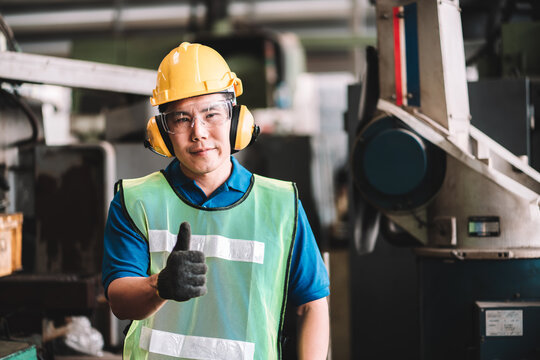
x=184, y=237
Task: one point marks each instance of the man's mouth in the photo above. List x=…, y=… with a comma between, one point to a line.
x=200, y=151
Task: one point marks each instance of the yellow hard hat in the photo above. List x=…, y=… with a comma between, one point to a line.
x=191, y=70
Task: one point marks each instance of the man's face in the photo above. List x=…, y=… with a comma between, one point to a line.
x=200, y=143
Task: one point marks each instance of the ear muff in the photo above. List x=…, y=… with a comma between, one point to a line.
x=158, y=140
x=243, y=128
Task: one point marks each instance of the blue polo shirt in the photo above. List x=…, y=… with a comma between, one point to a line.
x=126, y=252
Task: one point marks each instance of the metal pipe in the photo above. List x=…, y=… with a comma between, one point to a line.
x=166, y=15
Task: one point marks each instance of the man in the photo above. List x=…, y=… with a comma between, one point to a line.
x=204, y=255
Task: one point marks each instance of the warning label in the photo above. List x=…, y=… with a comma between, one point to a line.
x=504, y=323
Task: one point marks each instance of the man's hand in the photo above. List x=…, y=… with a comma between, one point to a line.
x=184, y=276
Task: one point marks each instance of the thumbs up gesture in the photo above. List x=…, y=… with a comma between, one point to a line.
x=184, y=276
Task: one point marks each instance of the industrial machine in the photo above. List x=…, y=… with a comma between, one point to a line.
x=62, y=239
x=428, y=179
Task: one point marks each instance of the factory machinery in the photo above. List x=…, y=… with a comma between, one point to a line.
x=468, y=207
x=61, y=238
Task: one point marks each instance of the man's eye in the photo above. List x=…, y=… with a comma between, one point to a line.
x=216, y=115
x=178, y=118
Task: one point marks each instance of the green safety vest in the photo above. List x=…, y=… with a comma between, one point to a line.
x=248, y=248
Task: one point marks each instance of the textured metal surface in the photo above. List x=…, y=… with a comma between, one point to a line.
x=467, y=193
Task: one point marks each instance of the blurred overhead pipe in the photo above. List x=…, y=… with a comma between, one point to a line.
x=156, y=16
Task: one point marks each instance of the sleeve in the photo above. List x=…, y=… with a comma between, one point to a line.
x=125, y=252
x=308, y=279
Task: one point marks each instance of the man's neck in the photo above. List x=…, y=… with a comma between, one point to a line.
x=209, y=182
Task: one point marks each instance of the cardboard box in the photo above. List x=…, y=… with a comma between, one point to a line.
x=10, y=243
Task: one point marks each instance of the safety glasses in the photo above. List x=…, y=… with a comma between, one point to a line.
x=210, y=115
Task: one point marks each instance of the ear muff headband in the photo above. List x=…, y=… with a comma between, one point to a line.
x=159, y=121
x=234, y=127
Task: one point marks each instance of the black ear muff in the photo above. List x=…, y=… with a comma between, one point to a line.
x=158, y=140
x=243, y=128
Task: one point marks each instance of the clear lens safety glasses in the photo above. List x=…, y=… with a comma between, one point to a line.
x=209, y=114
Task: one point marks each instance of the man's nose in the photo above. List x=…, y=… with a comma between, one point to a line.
x=198, y=129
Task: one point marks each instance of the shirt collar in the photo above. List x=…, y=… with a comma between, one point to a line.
x=239, y=179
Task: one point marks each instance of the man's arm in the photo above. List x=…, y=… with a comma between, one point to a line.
x=183, y=278
x=313, y=330
x=134, y=298
x=131, y=293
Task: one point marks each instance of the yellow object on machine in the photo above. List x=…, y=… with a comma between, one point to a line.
x=10, y=243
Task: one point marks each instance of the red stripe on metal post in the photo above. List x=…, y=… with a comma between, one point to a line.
x=397, y=55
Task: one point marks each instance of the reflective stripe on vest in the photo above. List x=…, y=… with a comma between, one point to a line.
x=211, y=245
x=248, y=248
x=194, y=347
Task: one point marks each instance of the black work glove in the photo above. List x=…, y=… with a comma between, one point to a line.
x=184, y=276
